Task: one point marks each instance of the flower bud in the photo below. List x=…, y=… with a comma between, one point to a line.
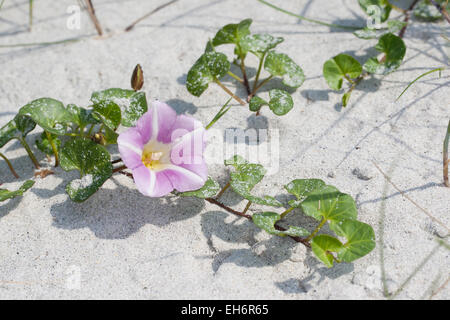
x=137, y=80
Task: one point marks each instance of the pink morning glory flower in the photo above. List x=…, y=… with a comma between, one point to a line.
x=165, y=152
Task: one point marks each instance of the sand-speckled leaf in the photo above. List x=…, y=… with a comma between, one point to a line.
x=279, y=64
x=330, y=204
x=322, y=246
x=383, y=11
x=43, y=143
x=259, y=44
x=209, y=66
x=335, y=69
x=393, y=26
x=49, y=114
x=132, y=104
x=93, y=162
x=267, y=220
x=20, y=126
x=426, y=11
x=300, y=188
x=108, y=113
x=5, y=194
x=360, y=239
x=232, y=33
x=209, y=189
x=81, y=116
x=256, y=103
x=280, y=102
x=394, y=49
x=245, y=177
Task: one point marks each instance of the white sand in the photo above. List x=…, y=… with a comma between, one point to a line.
x=123, y=245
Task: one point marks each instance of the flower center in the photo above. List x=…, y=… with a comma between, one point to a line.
x=155, y=155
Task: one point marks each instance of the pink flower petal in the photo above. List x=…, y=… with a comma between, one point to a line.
x=144, y=125
x=183, y=179
x=189, y=148
x=165, y=118
x=130, y=145
x=183, y=125
x=151, y=183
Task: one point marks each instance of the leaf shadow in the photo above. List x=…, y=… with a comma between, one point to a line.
x=182, y=107
x=119, y=213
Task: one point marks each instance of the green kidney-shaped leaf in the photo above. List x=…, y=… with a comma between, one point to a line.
x=360, y=239
x=49, y=114
x=93, y=162
x=6, y=194
x=232, y=33
x=256, y=103
x=300, y=188
x=383, y=11
x=393, y=26
x=209, y=66
x=81, y=116
x=20, y=126
x=426, y=11
x=330, y=204
x=338, y=67
x=280, y=102
x=43, y=143
x=132, y=104
x=245, y=177
x=109, y=113
x=322, y=246
x=209, y=189
x=259, y=44
x=267, y=220
x=394, y=49
x=279, y=64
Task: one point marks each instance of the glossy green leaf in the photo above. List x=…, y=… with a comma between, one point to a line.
x=209, y=189
x=383, y=11
x=245, y=177
x=93, y=162
x=233, y=33
x=426, y=11
x=49, y=114
x=20, y=126
x=279, y=64
x=43, y=143
x=259, y=44
x=394, y=49
x=6, y=194
x=267, y=220
x=81, y=116
x=330, y=204
x=207, y=68
x=300, y=188
x=360, y=239
x=322, y=246
x=280, y=102
x=132, y=104
x=108, y=113
x=338, y=67
x=393, y=26
x=256, y=103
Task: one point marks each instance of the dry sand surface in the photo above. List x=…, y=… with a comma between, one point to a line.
x=120, y=244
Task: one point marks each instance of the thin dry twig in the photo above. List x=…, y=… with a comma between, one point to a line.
x=408, y=198
x=131, y=26
x=94, y=19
